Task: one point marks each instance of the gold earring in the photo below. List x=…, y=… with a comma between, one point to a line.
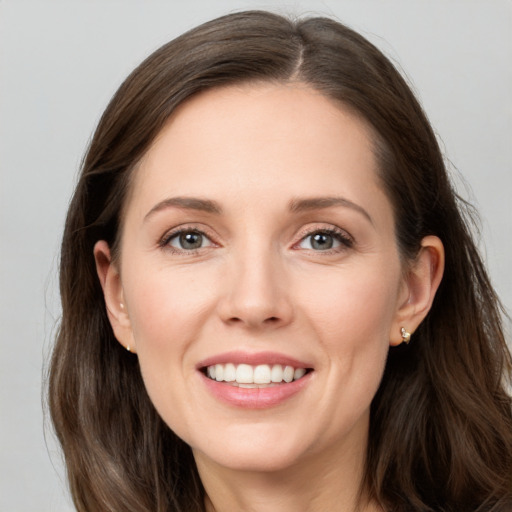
x=128, y=348
x=406, y=336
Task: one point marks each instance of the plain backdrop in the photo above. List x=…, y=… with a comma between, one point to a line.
x=60, y=62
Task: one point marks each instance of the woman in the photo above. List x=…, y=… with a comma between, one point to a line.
x=271, y=298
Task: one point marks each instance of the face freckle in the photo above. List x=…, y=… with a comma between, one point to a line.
x=257, y=234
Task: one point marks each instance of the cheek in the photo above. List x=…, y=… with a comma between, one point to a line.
x=353, y=323
x=165, y=314
x=165, y=306
x=354, y=306
x=167, y=310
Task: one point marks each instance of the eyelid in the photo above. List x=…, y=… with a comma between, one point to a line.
x=164, y=240
x=341, y=235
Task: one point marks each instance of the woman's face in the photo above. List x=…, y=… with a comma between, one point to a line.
x=258, y=245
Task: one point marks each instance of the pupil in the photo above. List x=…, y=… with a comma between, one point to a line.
x=191, y=240
x=322, y=241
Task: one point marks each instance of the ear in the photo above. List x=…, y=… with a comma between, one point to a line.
x=110, y=280
x=419, y=288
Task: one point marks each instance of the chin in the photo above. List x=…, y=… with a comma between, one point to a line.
x=261, y=449
x=251, y=461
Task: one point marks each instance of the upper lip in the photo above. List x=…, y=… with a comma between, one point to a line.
x=253, y=359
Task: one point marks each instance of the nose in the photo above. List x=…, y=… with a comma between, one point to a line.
x=256, y=293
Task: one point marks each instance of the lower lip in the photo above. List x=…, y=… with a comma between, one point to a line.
x=255, y=398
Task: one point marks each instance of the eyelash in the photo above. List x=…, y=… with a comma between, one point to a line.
x=165, y=241
x=345, y=240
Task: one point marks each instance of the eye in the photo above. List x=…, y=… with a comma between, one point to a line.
x=324, y=240
x=188, y=240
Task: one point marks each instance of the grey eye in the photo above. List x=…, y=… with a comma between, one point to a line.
x=320, y=241
x=189, y=240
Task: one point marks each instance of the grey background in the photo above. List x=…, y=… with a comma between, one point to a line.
x=59, y=64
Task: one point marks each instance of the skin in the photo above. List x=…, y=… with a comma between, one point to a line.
x=257, y=284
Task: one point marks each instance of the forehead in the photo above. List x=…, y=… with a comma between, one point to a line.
x=259, y=137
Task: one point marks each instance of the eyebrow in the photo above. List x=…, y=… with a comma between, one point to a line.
x=295, y=206
x=186, y=203
x=319, y=203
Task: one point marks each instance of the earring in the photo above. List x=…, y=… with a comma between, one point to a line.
x=406, y=336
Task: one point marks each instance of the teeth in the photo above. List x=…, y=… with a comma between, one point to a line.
x=219, y=372
x=288, y=373
x=298, y=373
x=276, y=375
x=247, y=376
x=244, y=374
x=262, y=374
x=229, y=372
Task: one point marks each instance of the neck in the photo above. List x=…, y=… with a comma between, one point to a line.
x=315, y=484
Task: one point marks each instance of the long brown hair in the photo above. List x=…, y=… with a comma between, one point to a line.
x=441, y=422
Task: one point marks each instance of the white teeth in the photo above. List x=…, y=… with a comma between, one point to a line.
x=244, y=374
x=248, y=376
x=299, y=372
x=277, y=373
x=262, y=374
x=287, y=374
x=229, y=372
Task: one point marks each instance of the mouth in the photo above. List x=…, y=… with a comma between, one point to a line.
x=255, y=380
x=254, y=376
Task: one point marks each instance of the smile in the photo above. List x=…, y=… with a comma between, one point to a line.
x=254, y=381
x=249, y=376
